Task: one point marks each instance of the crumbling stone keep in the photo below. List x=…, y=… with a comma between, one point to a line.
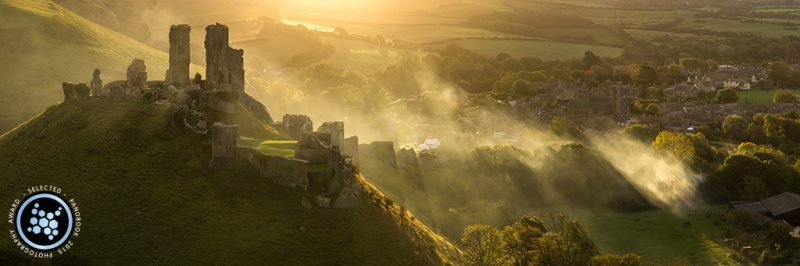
x=224, y=65
x=96, y=85
x=224, y=142
x=137, y=75
x=179, y=55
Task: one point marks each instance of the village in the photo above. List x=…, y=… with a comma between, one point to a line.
x=679, y=107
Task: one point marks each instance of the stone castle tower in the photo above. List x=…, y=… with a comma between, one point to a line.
x=179, y=55
x=224, y=65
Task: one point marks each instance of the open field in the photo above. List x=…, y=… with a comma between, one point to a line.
x=542, y=49
x=778, y=9
x=436, y=33
x=632, y=18
x=658, y=236
x=592, y=35
x=653, y=35
x=726, y=25
x=756, y=96
x=363, y=56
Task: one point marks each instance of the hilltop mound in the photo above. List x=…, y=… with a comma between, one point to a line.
x=45, y=44
x=147, y=196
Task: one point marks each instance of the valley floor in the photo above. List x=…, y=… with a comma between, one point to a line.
x=659, y=236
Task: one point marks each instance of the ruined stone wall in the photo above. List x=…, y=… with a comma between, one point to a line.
x=69, y=91
x=350, y=148
x=224, y=142
x=216, y=45
x=381, y=151
x=296, y=125
x=224, y=65
x=336, y=129
x=235, y=60
x=281, y=170
x=137, y=74
x=179, y=55
x=97, y=84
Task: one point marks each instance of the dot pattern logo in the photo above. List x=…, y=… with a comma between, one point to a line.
x=44, y=221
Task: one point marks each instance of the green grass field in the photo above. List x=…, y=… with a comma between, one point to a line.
x=759, y=97
x=362, y=56
x=436, y=33
x=778, y=9
x=278, y=147
x=146, y=196
x=658, y=236
x=601, y=36
x=727, y=25
x=542, y=49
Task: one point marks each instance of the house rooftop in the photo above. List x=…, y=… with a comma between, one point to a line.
x=782, y=203
x=754, y=207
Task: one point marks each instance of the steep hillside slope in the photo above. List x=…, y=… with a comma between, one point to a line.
x=147, y=197
x=44, y=44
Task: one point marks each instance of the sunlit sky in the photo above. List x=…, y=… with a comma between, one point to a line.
x=342, y=5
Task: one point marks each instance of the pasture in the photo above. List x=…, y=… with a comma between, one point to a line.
x=544, y=50
x=601, y=36
x=759, y=97
x=758, y=27
x=659, y=236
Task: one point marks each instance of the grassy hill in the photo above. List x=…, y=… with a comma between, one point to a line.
x=147, y=197
x=45, y=44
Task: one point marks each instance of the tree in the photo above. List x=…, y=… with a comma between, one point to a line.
x=571, y=245
x=784, y=96
x=752, y=172
x=564, y=127
x=675, y=72
x=519, y=239
x=653, y=109
x=679, y=144
x=735, y=126
x=598, y=72
x=773, y=129
x=539, y=76
x=482, y=245
x=590, y=60
x=754, y=132
x=641, y=132
x=646, y=75
x=727, y=96
x=693, y=64
x=780, y=72
x=521, y=88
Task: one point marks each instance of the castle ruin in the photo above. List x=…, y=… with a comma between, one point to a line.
x=224, y=65
x=179, y=55
x=223, y=92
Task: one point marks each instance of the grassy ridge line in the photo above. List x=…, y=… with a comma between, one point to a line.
x=444, y=250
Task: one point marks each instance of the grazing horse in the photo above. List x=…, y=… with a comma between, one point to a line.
x=687, y=224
